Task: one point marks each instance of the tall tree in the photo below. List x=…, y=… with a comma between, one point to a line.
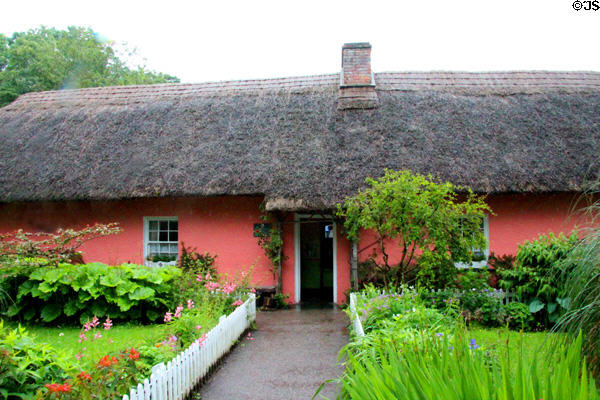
x=427, y=220
x=50, y=59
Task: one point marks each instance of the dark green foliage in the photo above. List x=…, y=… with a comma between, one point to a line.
x=518, y=316
x=538, y=276
x=482, y=306
x=473, y=278
x=26, y=365
x=50, y=59
x=499, y=263
x=435, y=271
x=192, y=265
x=197, y=263
x=75, y=293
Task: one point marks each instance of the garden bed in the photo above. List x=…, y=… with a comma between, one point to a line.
x=402, y=348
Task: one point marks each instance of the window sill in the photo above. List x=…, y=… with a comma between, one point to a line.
x=160, y=264
x=474, y=264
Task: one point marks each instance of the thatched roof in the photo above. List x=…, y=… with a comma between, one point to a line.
x=286, y=139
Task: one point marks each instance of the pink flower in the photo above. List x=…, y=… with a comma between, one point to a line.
x=97, y=335
x=82, y=337
x=78, y=356
x=208, y=277
x=198, y=327
x=252, y=290
x=211, y=286
x=87, y=326
x=178, y=311
x=199, y=278
x=249, y=337
x=95, y=322
x=107, y=324
x=237, y=303
x=168, y=316
x=190, y=304
x=110, y=341
x=229, y=287
x=201, y=340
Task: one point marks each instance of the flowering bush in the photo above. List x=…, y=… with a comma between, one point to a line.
x=60, y=246
x=112, y=376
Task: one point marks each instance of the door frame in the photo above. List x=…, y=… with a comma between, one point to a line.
x=297, y=260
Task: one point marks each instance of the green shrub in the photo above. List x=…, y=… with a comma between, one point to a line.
x=435, y=271
x=482, y=306
x=473, y=278
x=26, y=365
x=518, y=316
x=76, y=293
x=538, y=276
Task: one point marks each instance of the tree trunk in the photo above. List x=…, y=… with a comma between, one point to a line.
x=354, y=264
x=279, y=256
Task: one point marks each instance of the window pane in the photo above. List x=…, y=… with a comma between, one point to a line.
x=153, y=225
x=174, y=249
x=153, y=248
x=153, y=236
x=173, y=225
x=164, y=225
x=163, y=236
x=173, y=236
x=164, y=248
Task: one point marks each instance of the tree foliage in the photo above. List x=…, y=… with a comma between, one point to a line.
x=51, y=59
x=424, y=217
x=55, y=247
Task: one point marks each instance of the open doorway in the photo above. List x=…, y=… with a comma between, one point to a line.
x=316, y=261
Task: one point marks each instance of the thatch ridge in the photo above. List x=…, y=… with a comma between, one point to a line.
x=539, y=132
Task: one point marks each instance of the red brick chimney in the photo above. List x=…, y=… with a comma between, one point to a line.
x=357, y=82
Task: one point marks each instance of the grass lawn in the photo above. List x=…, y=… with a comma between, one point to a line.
x=119, y=337
x=533, y=342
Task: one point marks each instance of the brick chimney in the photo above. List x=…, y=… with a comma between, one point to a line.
x=357, y=82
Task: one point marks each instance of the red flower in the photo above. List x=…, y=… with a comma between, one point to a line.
x=107, y=361
x=56, y=388
x=84, y=376
x=134, y=354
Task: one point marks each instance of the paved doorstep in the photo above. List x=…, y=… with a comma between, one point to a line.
x=292, y=353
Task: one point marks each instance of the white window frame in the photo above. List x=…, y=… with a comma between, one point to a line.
x=486, y=251
x=146, y=240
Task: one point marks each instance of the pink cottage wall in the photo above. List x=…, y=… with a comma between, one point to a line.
x=224, y=226
x=516, y=218
x=218, y=225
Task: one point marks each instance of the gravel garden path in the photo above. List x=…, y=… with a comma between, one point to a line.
x=288, y=357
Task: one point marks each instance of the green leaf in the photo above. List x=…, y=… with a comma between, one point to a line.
x=71, y=307
x=50, y=312
x=551, y=308
x=152, y=315
x=564, y=302
x=111, y=280
x=536, y=305
x=142, y=293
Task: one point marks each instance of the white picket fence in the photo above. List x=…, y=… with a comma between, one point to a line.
x=356, y=323
x=505, y=296
x=176, y=379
